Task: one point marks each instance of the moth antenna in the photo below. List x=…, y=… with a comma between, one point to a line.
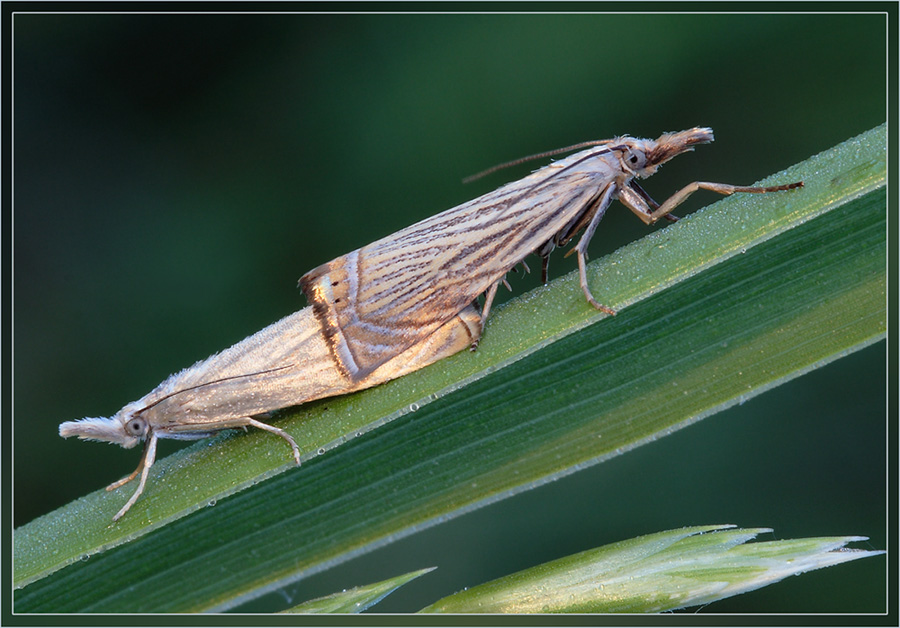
x=522, y=160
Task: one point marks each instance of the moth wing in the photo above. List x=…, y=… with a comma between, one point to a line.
x=364, y=327
x=381, y=299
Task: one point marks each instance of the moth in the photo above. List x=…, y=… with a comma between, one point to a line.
x=404, y=301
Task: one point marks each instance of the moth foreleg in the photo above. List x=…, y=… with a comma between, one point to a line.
x=127, y=478
x=643, y=194
x=279, y=432
x=147, y=461
x=639, y=204
x=643, y=212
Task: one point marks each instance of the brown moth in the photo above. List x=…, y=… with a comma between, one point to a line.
x=404, y=301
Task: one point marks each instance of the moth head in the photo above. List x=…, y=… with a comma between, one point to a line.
x=668, y=145
x=634, y=156
x=123, y=429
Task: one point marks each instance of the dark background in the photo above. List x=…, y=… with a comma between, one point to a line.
x=174, y=176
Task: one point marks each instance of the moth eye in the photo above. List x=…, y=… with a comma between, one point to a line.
x=636, y=159
x=136, y=427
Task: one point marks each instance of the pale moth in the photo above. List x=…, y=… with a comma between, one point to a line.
x=402, y=302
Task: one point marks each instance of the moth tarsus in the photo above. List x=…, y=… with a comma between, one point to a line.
x=404, y=301
x=295, y=450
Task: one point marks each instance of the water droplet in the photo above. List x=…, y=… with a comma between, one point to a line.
x=321, y=450
x=413, y=407
x=211, y=502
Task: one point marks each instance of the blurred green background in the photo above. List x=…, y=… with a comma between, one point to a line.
x=176, y=174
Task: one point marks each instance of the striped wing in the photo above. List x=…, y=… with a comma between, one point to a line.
x=381, y=299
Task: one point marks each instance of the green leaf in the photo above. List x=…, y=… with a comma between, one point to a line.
x=653, y=573
x=547, y=392
x=357, y=599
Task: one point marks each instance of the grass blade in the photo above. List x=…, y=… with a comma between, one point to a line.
x=654, y=573
x=745, y=312
x=357, y=599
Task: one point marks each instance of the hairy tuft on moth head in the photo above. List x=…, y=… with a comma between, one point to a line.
x=669, y=145
x=111, y=430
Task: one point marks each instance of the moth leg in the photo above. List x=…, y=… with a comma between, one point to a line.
x=147, y=461
x=582, y=279
x=127, y=478
x=601, y=205
x=643, y=194
x=639, y=204
x=486, y=310
x=641, y=209
x=134, y=473
x=274, y=430
x=544, y=252
x=525, y=268
x=488, y=300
